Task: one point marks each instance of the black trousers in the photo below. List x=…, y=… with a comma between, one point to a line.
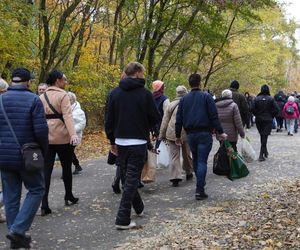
x=75, y=160
x=131, y=160
x=65, y=154
x=263, y=142
x=279, y=121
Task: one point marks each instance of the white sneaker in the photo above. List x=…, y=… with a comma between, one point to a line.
x=130, y=226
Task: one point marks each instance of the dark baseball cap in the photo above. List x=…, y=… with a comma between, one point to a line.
x=20, y=75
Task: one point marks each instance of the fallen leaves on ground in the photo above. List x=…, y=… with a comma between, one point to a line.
x=93, y=145
x=268, y=221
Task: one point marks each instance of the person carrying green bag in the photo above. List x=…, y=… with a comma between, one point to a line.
x=238, y=168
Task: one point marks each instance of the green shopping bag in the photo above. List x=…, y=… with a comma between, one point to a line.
x=238, y=168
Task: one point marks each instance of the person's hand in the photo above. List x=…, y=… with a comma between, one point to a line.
x=178, y=142
x=114, y=149
x=222, y=137
x=74, y=140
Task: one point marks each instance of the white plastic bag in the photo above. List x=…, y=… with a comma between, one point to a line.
x=163, y=158
x=247, y=151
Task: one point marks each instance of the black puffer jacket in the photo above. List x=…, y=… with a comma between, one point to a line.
x=264, y=106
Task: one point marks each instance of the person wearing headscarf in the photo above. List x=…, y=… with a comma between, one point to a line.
x=264, y=109
x=161, y=101
x=167, y=132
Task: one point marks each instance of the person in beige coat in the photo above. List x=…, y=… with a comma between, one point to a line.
x=230, y=118
x=62, y=135
x=167, y=131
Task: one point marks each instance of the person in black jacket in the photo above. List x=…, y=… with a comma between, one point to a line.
x=280, y=99
x=198, y=115
x=264, y=109
x=131, y=113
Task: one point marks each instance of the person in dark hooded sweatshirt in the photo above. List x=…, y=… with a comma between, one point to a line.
x=131, y=114
x=264, y=109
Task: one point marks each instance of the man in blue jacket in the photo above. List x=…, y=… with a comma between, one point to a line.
x=131, y=114
x=26, y=114
x=197, y=114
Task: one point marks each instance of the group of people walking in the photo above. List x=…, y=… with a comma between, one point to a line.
x=134, y=117
x=48, y=120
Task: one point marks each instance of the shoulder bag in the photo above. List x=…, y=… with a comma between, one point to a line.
x=33, y=159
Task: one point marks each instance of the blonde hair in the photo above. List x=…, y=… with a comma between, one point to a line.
x=3, y=85
x=72, y=97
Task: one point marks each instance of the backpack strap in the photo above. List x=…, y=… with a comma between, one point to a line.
x=56, y=115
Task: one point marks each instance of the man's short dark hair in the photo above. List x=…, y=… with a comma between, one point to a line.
x=53, y=76
x=235, y=85
x=133, y=67
x=194, y=80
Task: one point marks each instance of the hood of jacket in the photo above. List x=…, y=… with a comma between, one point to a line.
x=128, y=84
x=223, y=102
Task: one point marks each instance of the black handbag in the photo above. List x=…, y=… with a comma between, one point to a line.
x=33, y=159
x=221, y=164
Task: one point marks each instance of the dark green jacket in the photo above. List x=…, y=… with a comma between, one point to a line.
x=241, y=101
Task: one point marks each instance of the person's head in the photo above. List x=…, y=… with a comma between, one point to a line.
x=3, y=86
x=265, y=90
x=57, y=78
x=135, y=70
x=291, y=99
x=235, y=85
x=72, y=97
x=42, y=88
x=247, y=94
x=181, y=91
x=227, y=93
x=194, y=80
x=158, y=86
x=21, y=76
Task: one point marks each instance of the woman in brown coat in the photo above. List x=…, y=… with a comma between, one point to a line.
x=62, y=135
x=230, y=118
x=167, y=131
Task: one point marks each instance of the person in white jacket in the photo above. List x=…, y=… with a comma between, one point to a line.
x=80, y=123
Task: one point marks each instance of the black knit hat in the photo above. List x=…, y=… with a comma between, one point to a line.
x=234, y=84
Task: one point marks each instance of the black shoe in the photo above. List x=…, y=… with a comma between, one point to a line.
x=175, y=183
x=266, y=153
x=73, y=201
x=141, y=184
x=45, y=211
x=19, y=241
x=201, y=196
x=116, y=188
x=189, y=176
x=261, y=158
x=77, y=170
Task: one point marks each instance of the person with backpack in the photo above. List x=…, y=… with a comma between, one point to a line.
x=280, y=99
x=167, y=131
x=264, y=109
x=291, y=114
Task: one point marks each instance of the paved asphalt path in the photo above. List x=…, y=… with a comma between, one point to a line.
x=90, y=224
